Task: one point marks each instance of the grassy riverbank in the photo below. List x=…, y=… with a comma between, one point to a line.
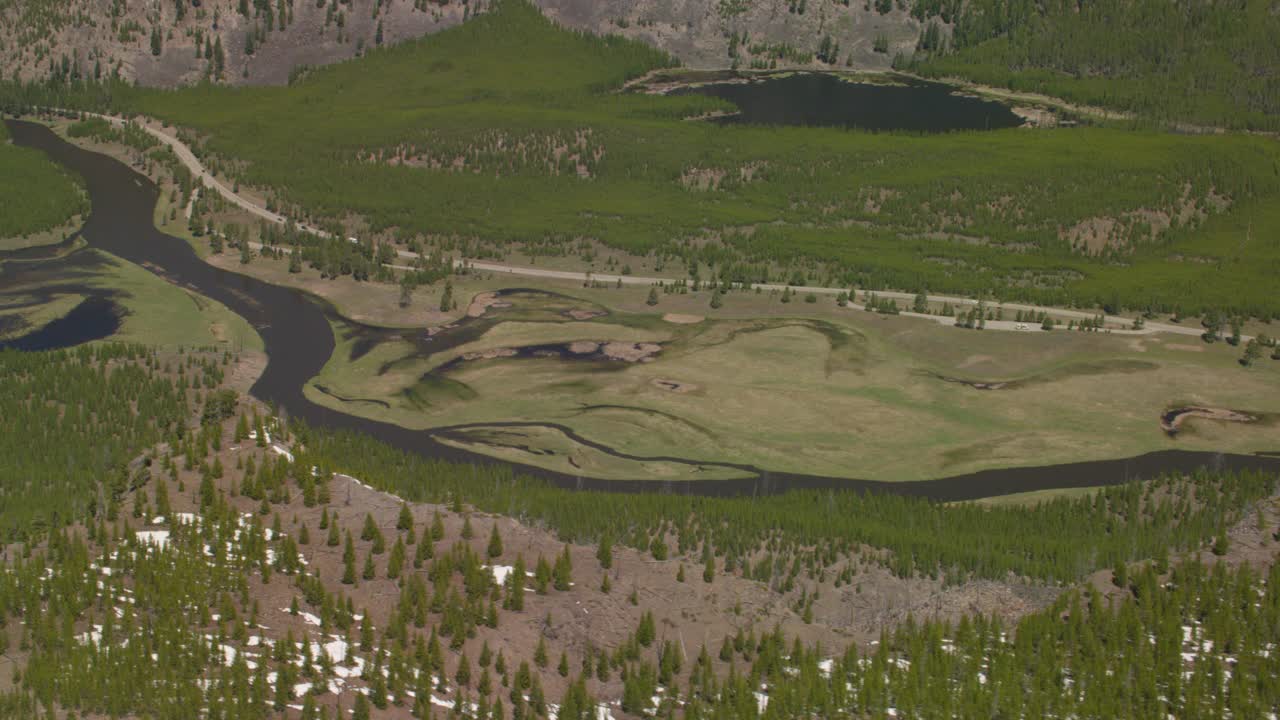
x=155, y=312
x=807, y=388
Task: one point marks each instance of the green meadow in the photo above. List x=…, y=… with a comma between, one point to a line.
x=806, y=388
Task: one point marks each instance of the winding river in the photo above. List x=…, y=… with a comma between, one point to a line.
x=299, y=341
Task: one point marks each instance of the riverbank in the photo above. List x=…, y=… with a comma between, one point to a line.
x=299, y=341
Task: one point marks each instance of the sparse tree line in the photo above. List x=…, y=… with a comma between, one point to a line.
x=816, y=533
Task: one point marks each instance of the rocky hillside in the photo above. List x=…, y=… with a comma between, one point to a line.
x=174, y=42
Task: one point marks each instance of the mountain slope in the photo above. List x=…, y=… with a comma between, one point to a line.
x=264, y=41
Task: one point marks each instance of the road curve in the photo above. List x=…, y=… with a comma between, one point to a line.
x=207, y=179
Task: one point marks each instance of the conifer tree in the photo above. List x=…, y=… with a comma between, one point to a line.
x=515, y=586
x=495, y=542
x=604, y=553
x=563, y=572
x=349, y=562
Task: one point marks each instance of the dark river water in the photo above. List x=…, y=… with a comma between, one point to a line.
x=821, y=99
x=299, y=341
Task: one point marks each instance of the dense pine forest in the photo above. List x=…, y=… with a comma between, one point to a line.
x=35, y=194
x=1209, y=63
x=72, y=422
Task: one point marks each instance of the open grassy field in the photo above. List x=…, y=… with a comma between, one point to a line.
x=156, y=312
x=808, y=388
x=37, y=197
x=436, y=141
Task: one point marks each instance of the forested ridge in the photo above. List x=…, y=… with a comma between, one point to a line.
x=1212, y=63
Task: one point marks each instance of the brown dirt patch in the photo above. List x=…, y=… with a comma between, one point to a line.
x=482, y=302
x=1172, y=421
x=1093, y=235
x=583, y=347
x=490, y=354
x=1185, y=347
x=1035, y=116
x=579, y=314
x=680, y=319
x=248, y=367
x=631, y=352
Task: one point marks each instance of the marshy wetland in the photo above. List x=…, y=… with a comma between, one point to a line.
x=841, y=394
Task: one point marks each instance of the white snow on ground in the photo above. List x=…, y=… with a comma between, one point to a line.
x=159, y=538
x=280, y=450
x=306, y=617
x=336, y=649
x=500, y=573
x=94, y=636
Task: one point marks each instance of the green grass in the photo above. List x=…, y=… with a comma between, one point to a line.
x=551, y=448
x=36, y=196
x=157, y=313
x=164, y=314
x=846, y=393
x=962, y=213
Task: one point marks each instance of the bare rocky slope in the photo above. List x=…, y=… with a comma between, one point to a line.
x=174, y=42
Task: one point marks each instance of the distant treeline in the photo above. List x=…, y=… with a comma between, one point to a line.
x=1212, y=63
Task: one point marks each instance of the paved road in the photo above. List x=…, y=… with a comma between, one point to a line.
x=188, y=158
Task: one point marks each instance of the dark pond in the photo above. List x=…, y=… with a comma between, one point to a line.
x=34, y=277
x=299, y=341
x=826, y=100
x=93, y=319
